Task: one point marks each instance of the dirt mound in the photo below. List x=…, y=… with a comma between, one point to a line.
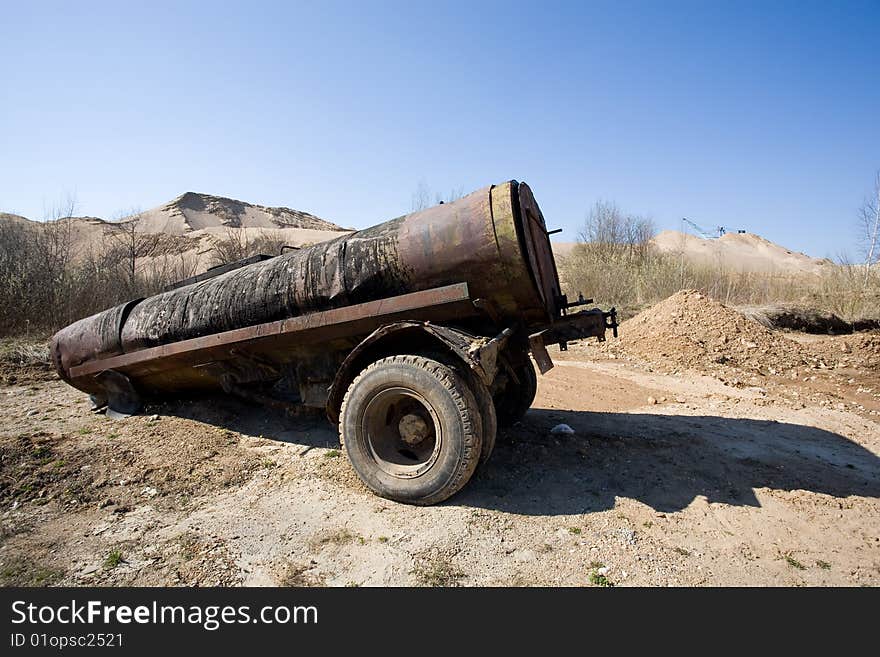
x=690, y=331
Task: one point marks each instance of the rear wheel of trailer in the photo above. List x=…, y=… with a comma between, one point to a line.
x=412, y=428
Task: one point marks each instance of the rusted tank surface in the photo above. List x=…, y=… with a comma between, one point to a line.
x=494, y=241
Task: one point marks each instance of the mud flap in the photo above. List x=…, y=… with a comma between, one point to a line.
x=539, y=351
x=99, y=403
x=122, y=399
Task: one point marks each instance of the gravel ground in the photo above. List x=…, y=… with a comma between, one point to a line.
x=671, y=477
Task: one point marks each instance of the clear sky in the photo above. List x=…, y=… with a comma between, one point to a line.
x=761, y=116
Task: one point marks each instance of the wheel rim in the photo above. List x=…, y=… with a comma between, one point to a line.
x=401, y=432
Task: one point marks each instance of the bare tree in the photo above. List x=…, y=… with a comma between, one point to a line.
x=55, y=245
x=236, y=245
x=453, y=195
x=169, y=267
x=269, y=244
x=17, y=273
x=127, y=243
x=611, y=233
x=641, y=230
x=35, y=268
x=421, y=198
x=869, y=229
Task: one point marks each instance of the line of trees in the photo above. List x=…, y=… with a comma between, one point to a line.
x=49, y=279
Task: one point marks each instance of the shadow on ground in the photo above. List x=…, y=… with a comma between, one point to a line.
x=664, y=461
x=309, y=430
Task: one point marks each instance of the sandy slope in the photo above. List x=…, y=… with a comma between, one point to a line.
x=193, y=212
x=738, y=252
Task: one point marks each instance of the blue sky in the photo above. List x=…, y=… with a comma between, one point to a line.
x=761, y=116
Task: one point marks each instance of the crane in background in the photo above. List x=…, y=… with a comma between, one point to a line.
x=717, y=232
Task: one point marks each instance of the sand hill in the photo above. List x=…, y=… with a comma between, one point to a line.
x=192, y=212
x=738, y=252
x=193, y=222
x=6, y=216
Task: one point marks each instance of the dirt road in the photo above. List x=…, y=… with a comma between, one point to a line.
x=669, y=479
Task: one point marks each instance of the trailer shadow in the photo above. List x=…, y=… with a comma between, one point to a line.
x=309, y=430
x=664, y=461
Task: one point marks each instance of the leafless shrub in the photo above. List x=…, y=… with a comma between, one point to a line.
x=46, y=283
x=126, y=247
x=613, y=234
x=169, y=266
x=422, y=197
x=237, y=245
x=36, y=273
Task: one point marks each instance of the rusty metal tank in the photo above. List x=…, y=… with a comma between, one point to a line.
x=494, y=240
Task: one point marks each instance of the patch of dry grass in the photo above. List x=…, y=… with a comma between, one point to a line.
x=632, y=281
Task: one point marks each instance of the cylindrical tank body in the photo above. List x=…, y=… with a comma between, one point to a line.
x=493, y=239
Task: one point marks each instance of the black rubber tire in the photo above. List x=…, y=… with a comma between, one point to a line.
x=482, y=395
x=489, y=417
x=515, y=399
x=457, y=416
